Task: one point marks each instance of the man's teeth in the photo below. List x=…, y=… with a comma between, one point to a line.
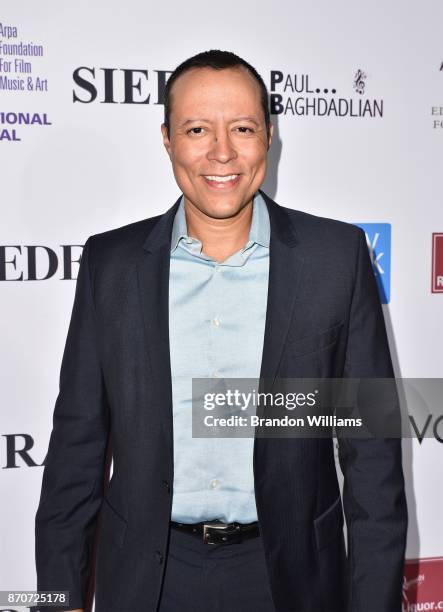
x=221, y=179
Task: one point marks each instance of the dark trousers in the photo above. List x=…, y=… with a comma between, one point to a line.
x=221, y=578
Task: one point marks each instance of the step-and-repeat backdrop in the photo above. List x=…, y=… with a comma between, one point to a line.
x=356, y=93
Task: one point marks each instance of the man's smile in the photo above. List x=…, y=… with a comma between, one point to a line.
x=218, y=181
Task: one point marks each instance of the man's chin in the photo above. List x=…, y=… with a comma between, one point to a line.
x=222, y=208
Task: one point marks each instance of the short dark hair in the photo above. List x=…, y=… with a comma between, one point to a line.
x=219, y=60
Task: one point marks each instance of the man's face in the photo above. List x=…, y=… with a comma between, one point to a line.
x=218, y=142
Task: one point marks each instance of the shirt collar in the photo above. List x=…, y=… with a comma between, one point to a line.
x=259, y=233
x=179, y=227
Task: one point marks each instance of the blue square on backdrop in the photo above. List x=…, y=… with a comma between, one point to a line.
x=378, y=239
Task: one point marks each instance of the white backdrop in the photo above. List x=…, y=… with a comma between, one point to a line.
x=101, y=165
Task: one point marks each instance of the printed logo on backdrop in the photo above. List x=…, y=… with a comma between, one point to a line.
x=119, y=85
x=378, y=239
x=20, y=76
x=437, y=263
x=38, y=262
x=18, y=451
x=422, y=584
x=325, y=101
x=143, y=86
x=437, y=110
x=360, y=82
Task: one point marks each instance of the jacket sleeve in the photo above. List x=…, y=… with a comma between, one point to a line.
x=374, y=498
x=72, y=485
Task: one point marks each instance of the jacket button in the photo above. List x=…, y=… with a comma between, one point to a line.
x=159, y=556
x=166, y=483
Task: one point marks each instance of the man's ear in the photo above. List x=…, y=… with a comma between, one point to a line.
x=270, y=134
x=166, y=141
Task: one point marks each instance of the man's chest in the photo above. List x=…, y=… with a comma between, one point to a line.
x=217, y=318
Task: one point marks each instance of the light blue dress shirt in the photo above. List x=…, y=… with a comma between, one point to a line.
x=217, y=317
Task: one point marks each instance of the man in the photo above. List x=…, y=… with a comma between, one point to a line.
x=226, y=283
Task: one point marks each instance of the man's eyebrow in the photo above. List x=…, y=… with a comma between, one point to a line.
x=193, y=120
x=243, y=118
x=247, y=118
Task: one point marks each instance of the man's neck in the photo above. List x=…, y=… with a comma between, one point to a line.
x=220, y=238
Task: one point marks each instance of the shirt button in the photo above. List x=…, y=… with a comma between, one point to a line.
x=219, y=268
x=216, y=322
x=214, y=483
x=216, y=374
x=188, y=240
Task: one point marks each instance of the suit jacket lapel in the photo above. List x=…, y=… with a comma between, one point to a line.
x=284, y=275
x=153, y=286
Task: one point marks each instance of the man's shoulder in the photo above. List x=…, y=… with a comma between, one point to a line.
x=314, y=228
x=127, y=233
x=122, y=243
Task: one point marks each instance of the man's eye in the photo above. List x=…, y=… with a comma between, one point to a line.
x=244, y=129
x=195, y=130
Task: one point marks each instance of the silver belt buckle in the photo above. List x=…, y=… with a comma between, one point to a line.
x=213, y=525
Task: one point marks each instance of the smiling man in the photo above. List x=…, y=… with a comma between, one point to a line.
x=217, y=135
x=226, y=283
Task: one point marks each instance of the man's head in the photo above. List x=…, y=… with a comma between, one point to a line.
x=217, y=125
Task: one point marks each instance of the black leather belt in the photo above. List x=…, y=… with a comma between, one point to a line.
x=216, y=532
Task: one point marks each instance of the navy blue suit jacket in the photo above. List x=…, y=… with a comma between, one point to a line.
x=324, y=319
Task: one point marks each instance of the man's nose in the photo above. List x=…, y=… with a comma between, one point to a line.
x=222, y=148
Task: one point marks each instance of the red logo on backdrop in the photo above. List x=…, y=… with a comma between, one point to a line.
x=422, y=585
x=437, y=263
